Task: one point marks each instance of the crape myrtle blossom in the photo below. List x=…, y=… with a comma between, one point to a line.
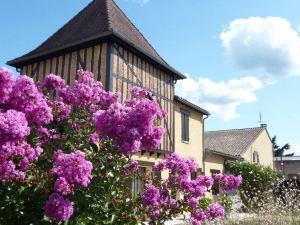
x=15, y=153
x=228, y=182
x=46, y=136
x=53, y=82
x=214, y=211
x=71, y=169
x=60, y=110
x=179, y=182
x=132, y=167
x=57, y=208
x=132, y=124
x=197, y=217
x=87, y=91
x=55, y=133
x=10, y=152
x=13, y=126
x=151, y=196
x=6, y=83
x=25, y=97
x=94, y=138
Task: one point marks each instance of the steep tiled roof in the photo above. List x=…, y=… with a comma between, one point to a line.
x=99, y=19
x=191, y=105
x=232, y=142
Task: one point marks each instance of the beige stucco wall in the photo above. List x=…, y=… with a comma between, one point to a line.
x=151, y=159
x=194, y=148
x=263, y=146
x=213, y=162
x=147, y=157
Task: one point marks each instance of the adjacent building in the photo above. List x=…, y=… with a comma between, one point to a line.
x=289, y=166
x=249, y=144
x=189, y=131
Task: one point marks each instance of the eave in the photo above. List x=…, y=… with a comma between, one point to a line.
x=107, y=36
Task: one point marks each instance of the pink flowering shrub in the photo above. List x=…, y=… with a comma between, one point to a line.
x=228, y=182
x=159, y=198
x=58, y=208
x=65, y=156
x=72, y=169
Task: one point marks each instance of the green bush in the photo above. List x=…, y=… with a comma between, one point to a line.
x=204, y=203
x=226, y=202
x=257, y=182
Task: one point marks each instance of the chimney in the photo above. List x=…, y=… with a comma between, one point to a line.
x=263, y=125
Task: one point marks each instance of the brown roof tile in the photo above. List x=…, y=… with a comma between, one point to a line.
x=232, y=142
x=100, y=18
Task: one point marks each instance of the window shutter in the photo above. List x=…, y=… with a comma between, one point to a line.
x=182, y=126
x=185, y=125
x=187, y=128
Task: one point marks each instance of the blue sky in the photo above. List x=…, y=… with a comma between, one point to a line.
x=241, y=57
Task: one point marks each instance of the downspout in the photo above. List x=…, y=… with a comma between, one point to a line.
x=203, y=148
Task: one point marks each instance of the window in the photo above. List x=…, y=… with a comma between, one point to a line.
x=137, y=184
x=195, y=174
x=185, y=134
x=255, y=157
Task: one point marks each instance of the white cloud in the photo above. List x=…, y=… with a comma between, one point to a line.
x=269, y=44
x=221, y=99
x=140, y=2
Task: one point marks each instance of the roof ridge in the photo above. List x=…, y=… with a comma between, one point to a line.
x=161, y=58
x=109, y=18
x=236, y=129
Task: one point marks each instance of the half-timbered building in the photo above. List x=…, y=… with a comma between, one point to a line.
x=103, y=40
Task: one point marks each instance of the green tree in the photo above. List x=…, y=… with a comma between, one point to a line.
x=279, y=151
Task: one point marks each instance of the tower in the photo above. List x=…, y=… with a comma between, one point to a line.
x=103, y=40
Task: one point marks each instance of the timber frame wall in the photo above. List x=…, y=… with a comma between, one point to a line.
x=118, y=68
x=66, y=64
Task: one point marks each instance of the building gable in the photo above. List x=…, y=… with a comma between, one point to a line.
x=101, y=20
x=232, y=142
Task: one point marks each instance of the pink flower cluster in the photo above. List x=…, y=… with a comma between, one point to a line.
x=151, y=196
x=86, y=92
x=10, y=152
x=6, y=83
x=60, y=110
x=133, y=167
x=58, y=208
x=155, y=198
x=28, y=108
x=46, y=136
x=213, y=211
x=13, y=126
x=53, y=82
x=131, y=125
x=13, y=131
x=229, y=182
x=177, y=166
x=25, y=97
x=72, y=169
